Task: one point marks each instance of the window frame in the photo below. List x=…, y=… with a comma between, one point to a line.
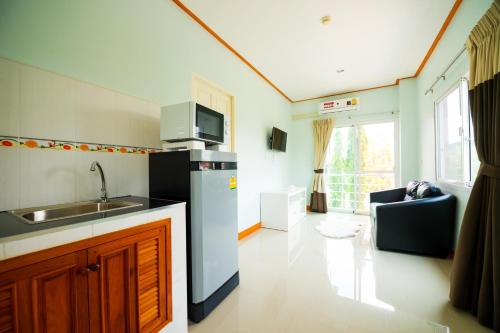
x=466, y=134
x=392, y=117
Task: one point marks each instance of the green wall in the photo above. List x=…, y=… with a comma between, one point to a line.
x=409, y=131
x=452, y=41
x=150, y=49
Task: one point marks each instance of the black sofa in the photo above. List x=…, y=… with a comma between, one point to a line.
x=403, y=221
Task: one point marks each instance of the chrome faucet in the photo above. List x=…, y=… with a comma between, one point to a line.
x=104, y=193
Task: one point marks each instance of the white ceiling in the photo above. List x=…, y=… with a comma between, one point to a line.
x=374, y=41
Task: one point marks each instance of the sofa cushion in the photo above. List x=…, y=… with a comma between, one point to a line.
x=411, y=189
x=427, y=190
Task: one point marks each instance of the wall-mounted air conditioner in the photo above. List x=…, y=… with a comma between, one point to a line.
x=345, y=104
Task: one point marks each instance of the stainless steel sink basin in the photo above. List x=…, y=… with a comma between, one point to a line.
x=58, y=212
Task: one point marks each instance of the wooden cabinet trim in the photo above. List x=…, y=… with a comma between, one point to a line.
x=34, y=257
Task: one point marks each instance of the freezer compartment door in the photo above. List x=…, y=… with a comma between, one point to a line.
x=214, y=230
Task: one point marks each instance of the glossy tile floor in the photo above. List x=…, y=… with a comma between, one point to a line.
x=300, y=281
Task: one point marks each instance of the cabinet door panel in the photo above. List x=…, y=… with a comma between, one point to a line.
x=129, y=292
x=154, y=300
x=115, y=287
x=54, y=294
x=49, y=296
x=8, y=309
x=112, y=293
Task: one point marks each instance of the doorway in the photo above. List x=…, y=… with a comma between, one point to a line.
x=214, y=97
x=362, y=158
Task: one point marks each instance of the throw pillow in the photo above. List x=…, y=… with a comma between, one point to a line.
x=426, y=190
x=411, y=189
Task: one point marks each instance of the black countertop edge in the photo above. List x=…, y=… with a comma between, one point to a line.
x=11, y=225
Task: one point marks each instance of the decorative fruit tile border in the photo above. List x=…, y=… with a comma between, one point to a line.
x=31, y=143
x=8, y=142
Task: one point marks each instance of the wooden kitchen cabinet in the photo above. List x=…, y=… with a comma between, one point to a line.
x=128, y=288
x=118, y=282
x=49, y=296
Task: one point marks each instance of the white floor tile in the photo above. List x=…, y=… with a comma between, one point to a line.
x=301, y=281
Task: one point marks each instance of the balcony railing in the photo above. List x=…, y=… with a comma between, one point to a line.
x=350, y=190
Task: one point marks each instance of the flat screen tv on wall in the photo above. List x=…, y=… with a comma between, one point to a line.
x=278, y=139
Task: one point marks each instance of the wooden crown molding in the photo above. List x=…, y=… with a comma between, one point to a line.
x=433, y=46
x=440, y=34
x=229, y=47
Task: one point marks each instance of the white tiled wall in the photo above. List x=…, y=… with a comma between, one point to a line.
x=10, y=176
x=47, y=177
x=46, y=105
x=40, y=104
x=9, y=98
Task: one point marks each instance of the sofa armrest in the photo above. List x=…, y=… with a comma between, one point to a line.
x=388, y=196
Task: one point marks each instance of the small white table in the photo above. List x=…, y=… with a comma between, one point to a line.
x=283, y=208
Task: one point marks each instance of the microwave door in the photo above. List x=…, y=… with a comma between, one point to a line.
x=209, y=124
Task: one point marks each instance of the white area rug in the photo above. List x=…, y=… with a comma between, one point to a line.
x=339, y=229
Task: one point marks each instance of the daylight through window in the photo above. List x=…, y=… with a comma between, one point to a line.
x=456, y=158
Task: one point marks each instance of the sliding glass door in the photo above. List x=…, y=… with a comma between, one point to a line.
x=341, y=169
x=362, y=158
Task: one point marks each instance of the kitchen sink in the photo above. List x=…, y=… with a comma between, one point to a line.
x=64, y=211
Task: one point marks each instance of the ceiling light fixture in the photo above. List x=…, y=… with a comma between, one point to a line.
x=326, y=19
x=340, y=70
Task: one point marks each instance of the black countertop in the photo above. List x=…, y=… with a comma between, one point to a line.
x=11, y=225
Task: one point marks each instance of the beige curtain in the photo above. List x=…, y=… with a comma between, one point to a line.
x=475, y=278
x=322, y=132
x=483, y=47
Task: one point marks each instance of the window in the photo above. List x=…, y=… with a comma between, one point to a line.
x=361, y=159
x=456, y=156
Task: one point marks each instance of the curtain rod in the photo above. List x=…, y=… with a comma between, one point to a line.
x=443, y=75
